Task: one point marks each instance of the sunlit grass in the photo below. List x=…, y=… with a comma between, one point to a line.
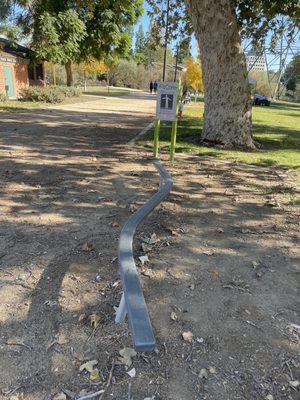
x=15, y=105
x=276, y=130
x=103, y=91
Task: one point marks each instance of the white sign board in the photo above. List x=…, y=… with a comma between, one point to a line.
x=166, y=106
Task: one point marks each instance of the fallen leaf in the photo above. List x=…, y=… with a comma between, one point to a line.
x=212, y=370
x=126, y=356
x=133, y=208
x=175, y=233
x=88, y=366
x=203, y=374
x=114, y=224
x=94, y=320
x=81, y=317
x=208, y=252
x=131, y=373
x=144, y=259
x=88, y=246
x=269, y=397
x=60, y=396
x=174, y=316
x=151, y=240
x=272, y=203
x=94, y=375
x=61, y=339
x=216, y=273
x=188, y=336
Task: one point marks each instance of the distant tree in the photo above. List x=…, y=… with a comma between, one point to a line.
x=291, y=84
x=291, y=74
x=140, y=40
x=93, y=67
x=194, y=74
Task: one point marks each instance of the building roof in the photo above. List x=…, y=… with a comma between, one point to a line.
x=15, y=49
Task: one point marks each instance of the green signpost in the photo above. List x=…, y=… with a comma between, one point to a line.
x=166, y=110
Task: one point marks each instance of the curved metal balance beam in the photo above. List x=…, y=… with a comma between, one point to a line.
x=133, y=302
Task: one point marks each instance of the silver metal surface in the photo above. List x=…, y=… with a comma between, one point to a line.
x=133, y=300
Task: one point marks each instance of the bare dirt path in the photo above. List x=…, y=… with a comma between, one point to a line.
x=225, y=263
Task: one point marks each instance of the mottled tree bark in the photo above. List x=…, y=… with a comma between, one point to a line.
x=69, y=73
x=227, y=110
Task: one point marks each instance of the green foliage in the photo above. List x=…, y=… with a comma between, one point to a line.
x=69, y=91
x=256, y=18
x=291, y=84
x=292, y=72
x=75, y=30
x=55, y=94
x=259, y=17
x=57, y=37
x=140, y=40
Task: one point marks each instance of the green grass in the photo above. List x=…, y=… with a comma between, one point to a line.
x=16, y=105
x=276, y=129
x=102, y=91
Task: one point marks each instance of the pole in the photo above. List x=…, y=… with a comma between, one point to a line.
x=176, y=64
x=166, y=40
x=156, y=137
x=173, y=139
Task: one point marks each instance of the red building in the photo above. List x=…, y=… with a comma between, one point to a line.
x=18, y=68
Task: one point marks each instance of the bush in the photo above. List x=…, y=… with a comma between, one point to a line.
x=43, y=94
x=3, y=97
x=70, y=91
x=54, y=94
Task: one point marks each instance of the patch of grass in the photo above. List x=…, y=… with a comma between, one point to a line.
x=280, y=189
x=275, y=130
x=16, y=105
x=102, y=91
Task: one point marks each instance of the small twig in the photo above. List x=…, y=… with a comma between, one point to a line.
x=129, y=391
x=108, y=381
x=91, y=395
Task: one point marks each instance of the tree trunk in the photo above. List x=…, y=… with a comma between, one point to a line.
x=69, y=73
x=227, y=100
x=84, y=78
x=53, y=74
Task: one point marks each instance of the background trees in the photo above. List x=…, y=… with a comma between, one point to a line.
x=68, y=31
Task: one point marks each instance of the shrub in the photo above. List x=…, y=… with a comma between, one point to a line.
x=43, y=94
x=50, y=94
x=3, y=97
x=70, y=91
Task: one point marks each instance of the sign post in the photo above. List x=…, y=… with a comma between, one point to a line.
x=166, y=110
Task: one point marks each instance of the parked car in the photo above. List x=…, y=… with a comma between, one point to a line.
x=260, y=100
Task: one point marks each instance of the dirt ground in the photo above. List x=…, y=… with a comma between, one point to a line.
x=224, y=265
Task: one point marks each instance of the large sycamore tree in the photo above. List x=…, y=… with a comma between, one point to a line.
x=67, y=31
x=219, y=27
